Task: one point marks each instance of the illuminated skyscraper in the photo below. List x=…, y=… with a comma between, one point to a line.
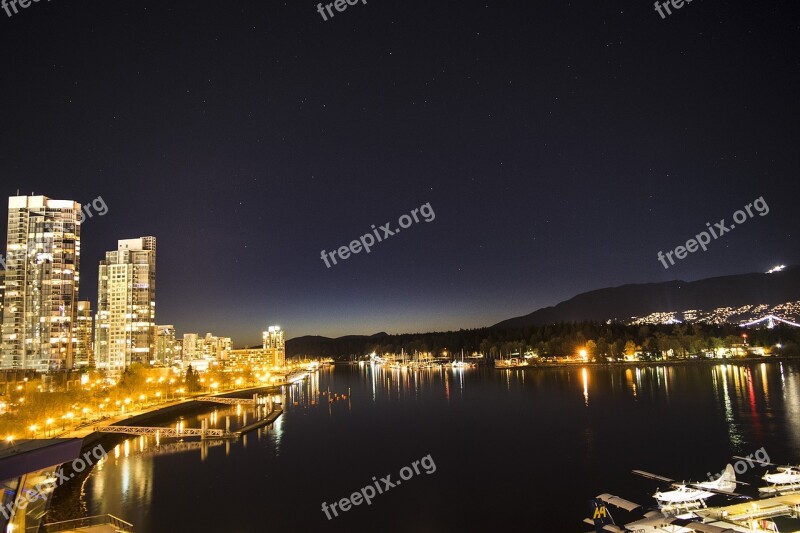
x=83, y=335
x=125, y=328
x=165, y=344
x=41, y=283
x=190, y=351
x=274, y=339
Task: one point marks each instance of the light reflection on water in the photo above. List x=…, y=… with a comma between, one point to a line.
x=347, y=424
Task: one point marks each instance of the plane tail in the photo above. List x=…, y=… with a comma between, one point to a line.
x=727, y=481
x=600, y=515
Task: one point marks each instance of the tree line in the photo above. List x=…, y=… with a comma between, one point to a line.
x=601, y=340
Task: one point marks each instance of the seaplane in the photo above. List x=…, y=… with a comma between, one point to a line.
x=688, y=496
x=785, y=480
x=653, y=521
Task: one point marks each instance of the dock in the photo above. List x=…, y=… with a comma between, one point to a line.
x=780, y=490
x=741, y=513
x=269, y=419
x=99, y=524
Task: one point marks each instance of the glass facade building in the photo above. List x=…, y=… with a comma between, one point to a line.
x=125, y=327
x=41, y=283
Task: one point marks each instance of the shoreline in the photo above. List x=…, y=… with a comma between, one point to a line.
x=155, y=415
x=675, y=362
x=66, y=502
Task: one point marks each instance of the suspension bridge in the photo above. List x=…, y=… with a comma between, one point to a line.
x=771, y=321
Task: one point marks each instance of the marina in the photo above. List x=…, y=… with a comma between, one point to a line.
x=683, y=508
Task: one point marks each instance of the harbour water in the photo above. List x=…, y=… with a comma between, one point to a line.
x=514, y=450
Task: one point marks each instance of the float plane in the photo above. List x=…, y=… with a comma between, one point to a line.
x=688, y=496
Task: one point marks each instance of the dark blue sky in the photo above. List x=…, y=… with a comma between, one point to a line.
x=561, y=145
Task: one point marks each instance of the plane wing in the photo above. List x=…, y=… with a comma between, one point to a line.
x=622, y=503
x=753, y=461
x=648, y=475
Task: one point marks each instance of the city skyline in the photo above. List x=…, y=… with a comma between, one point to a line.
x=45, y=324
x=99, y=350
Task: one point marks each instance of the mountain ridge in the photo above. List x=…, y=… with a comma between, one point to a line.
x=622, y=303
x=637, y=299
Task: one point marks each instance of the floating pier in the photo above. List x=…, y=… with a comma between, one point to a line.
x=269, y=419
x=741, y=513
x=780, y=490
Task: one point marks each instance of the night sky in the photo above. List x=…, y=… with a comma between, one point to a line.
x=561, y=145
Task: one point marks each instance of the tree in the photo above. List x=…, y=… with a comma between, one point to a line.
x=630, y=348
x=618, y=348
x=650, y=347
x=192, y=380
x=591, y=349
x=602, y=350
x=133, y=379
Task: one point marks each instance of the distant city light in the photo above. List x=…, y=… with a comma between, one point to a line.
x=776, y=269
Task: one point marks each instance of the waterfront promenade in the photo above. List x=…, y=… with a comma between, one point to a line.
x=138, y=416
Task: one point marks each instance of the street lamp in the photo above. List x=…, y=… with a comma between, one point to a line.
x=33, y=429
x=47, y=424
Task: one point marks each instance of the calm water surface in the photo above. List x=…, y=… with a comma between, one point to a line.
x=513, y=450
